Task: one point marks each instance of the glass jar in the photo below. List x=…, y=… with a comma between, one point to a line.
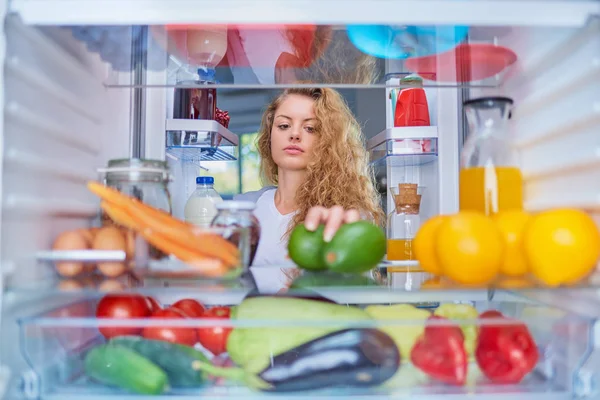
x=490, y=178
x=403, y=222
x=239, y=214
x=145, y=180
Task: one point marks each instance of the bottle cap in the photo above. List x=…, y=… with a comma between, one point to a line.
x=408, y=200
x=236, y=205
x=205, y=180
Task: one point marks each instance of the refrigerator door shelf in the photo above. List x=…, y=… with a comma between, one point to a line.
x=193, y=140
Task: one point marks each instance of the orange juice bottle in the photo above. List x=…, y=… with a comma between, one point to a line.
x=490, y=180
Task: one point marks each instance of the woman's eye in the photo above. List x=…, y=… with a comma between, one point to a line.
x=310, y=129
x=283, y=126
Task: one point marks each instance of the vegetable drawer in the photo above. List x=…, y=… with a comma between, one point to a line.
x=290, y=346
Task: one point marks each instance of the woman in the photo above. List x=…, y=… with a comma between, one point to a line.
x=312, y=152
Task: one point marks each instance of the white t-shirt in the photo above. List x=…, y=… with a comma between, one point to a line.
x=272, y=247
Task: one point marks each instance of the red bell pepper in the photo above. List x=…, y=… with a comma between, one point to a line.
x=440, y=353
x=505, y=353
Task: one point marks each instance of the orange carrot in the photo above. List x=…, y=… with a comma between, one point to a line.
x=122, y=200
x=119, y=216
x=205, y=242
x=193, y=256
x=146, y=217
x=208, y=266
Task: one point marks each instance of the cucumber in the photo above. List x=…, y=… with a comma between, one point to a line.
x=124, y=368
x=175, y=359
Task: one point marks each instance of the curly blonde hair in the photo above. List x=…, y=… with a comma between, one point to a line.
x=339, y=173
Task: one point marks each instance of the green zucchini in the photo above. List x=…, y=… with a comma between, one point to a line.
x=124, y=368
x=175, y=359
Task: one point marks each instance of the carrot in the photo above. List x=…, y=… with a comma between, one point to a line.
x=204, y=242
x=122, y=200
x=208, y=266
x=146, y=217
x=119, y=216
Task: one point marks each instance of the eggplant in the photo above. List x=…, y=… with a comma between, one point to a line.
x=351, y=357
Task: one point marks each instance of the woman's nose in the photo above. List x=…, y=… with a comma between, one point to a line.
x=295, y=135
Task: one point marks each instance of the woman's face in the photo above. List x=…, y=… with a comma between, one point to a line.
x=293, y=133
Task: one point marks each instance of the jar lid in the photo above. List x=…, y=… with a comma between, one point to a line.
x=205, y=180
x=236, y=205
x=136, y=169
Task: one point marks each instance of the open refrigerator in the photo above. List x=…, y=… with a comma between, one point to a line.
x=92, y=80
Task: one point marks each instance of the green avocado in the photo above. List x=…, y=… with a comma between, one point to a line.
x=355, y=248
x=306, y=248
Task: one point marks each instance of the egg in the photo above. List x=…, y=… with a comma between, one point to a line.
x=70, y=240
x=110, y=238
x=111, y=285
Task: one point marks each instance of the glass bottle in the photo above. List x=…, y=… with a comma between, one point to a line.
x=240, y=214
x=403, y=222
x=490, y=179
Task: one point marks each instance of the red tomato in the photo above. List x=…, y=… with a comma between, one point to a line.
x=154, y=304
x=215, y=339
x=190, y=307
x=171, y=334
x=122, y=306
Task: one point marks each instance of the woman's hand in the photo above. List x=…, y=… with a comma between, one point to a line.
x=332, y=217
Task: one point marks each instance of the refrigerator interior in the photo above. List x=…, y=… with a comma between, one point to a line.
x=82, y=85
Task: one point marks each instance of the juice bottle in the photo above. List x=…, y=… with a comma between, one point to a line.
x=490, y=179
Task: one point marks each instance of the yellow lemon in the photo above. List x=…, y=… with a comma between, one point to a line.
x=512, y=226
x=424, y=245
x=469, y=248
x=562, y=246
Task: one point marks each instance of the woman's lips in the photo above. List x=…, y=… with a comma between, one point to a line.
x=293, y=150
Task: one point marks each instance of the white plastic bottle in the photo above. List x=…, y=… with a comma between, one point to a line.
x=200, y=208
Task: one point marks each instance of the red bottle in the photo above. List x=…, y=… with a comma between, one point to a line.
x=411, y=106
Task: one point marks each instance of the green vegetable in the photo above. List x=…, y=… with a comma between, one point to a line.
x=458, y=312
x=404, y=336
x=306, y=248
x=252, y=347
x=119, y=366
x=327, y=278
x=175, y=359
x=355, y=248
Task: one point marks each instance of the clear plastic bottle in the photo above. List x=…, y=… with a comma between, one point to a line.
x=200, y=208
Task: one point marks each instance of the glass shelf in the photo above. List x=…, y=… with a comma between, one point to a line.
x=405, y=146
x=193, y=140
x=386, y=283
x=338, y=56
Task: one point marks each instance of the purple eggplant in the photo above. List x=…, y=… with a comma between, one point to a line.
x=350, y=357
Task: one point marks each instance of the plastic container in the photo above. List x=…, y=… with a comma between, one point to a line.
x=490, y=178
x=411, y=105
x=55, y=343
x=200, y=208
x=239, y=214
x=202, y=46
